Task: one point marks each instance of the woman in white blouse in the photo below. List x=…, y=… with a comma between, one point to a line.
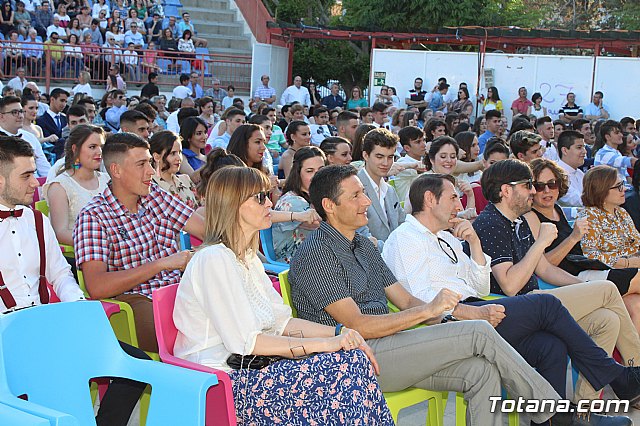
x=78, y=181
x=226, y=308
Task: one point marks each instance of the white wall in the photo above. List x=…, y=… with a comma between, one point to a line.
x=552, y=76
x=273, y=61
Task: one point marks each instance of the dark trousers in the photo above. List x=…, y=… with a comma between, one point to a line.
x=121, y=396
x=541, y=329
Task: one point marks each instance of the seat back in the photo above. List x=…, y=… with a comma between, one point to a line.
x=266, y=240
x=285, y=291
x=220, y=404
x=481, y=202
x=42, y=207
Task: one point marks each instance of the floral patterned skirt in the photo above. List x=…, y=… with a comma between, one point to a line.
x=325, y=389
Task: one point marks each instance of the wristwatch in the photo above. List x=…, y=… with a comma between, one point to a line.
x=448, y=318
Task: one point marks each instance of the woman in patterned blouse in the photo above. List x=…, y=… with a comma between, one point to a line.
x=166, y=149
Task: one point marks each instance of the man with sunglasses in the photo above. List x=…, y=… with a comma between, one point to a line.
x=426, y=254
x=125, y=239
x=517, y=260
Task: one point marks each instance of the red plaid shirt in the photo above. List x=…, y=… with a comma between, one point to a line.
x=106, y=231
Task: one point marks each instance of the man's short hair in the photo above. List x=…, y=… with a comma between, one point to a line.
x=326, y=184
x=379, y=137
x=493, y=113
x=116, y=92
x=364, y=112
x=57, y=92
x=567, y=139
x=319, y=110
x=129, y=118
x=295, y=108
x=285, y=109
x=95, y=21
x=522, y=141
x=8, y=100
x=258, y=119
x=10, y=148
x=542, y=121
x=118, y=144
x=626, y=120
x=184, y=77
x=501, y=173
x=433, y=183
x=379, y=107
x=233, y=112
x=185, y=113
x=408, y=134
x=344, y=117
x=152, y=75
x=577, y=124
x=608, y=126
x=497, y=146
x=84, y=101
x=77, y=111
x=599, y=93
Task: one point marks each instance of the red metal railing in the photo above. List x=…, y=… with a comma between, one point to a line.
x=54, y=66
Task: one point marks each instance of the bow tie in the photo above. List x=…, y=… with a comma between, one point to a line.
x=10, y=213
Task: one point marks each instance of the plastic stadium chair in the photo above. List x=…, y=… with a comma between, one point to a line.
x=79, y=345
x=185, y=241
x=219, y=398
x=395, y=400
x=14, y=416
x=43, y=208
x=266, y=240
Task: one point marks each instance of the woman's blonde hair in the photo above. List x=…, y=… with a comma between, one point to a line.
x=228, y=188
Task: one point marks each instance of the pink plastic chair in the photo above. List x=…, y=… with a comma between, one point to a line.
x=220, y=408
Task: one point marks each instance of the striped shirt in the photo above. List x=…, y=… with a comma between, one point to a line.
x=612, y=157
x=263, y=92
x=107, y=232
x=328, y=267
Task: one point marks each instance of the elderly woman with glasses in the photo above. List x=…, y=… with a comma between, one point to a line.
x=594, y=248
x=230, y=317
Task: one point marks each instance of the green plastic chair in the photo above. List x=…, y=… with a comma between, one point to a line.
x=396, y=401
x=43, y=208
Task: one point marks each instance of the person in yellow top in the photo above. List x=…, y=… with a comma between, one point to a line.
x=55, y=49
x=493, y=101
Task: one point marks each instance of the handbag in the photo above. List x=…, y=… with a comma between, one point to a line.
x=583, y=263
x=252, y=362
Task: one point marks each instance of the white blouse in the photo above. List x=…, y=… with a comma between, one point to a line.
x=222, y=305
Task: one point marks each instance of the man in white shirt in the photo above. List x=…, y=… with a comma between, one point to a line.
x=380, y=114
x=182, y=91
x=426, y=255
x=172, y=120
x=320, y=131
x=11, y=119
x=19, y=81
x=296, y=93
x=23, y=283
x=56, y=28
x=235, y=118
x=596, y=110
x=414, y=144
x=571, y=148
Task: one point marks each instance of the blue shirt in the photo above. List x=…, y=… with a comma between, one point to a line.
x=221, y=141
x=192, y=159
x=112, y=117
x=482, y=140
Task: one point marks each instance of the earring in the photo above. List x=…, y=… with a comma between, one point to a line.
x=77, y=164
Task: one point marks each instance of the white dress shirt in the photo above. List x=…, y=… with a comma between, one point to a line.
x=42, y=165
x=381, y=192
x=413, y=254
x=550, y=152
x=222, y=306
x=573, y=197
x=17, y=84
x=295, y=94
x=20, y=261
x=172, y=122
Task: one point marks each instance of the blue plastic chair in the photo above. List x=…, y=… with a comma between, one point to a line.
x=266, y=240
x=13, y=416
x=185, y=241
x=76, y=341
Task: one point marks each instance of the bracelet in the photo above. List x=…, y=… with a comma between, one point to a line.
x=339, y=328
x=291, y=217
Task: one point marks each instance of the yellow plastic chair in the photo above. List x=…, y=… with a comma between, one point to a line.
x=396, y=401
x=43, y=208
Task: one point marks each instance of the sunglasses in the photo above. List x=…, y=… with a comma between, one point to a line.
x=527, y=182
x=261, y=197
x=552, y=184
x=619, y=186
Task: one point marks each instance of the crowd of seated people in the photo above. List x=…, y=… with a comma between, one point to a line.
x=359, y=215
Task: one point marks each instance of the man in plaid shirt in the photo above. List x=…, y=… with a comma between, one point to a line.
x=125, y=239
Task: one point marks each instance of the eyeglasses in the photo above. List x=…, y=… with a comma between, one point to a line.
x=527, y=182
x=552, y=184
x=448, y=250
x=619, y=186
x=14, y=112
x=261, y=197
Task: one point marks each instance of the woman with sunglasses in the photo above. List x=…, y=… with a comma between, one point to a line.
x=227, y=312
x=575, y=249
x=462, y=105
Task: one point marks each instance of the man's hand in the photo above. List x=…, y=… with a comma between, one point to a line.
x=178, y=260
x=445, y=300
x=494, y=314
x=463, y=230
x=547, y=234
